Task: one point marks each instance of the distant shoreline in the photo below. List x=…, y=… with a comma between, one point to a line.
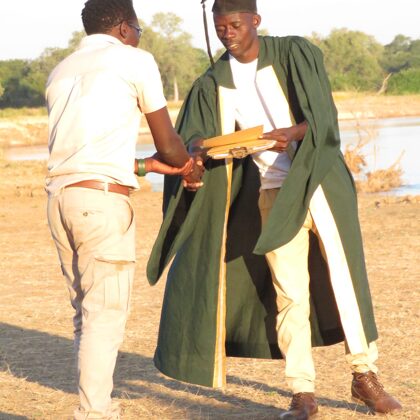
x=30, y=127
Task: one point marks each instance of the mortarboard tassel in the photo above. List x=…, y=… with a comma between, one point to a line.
x=206, y=30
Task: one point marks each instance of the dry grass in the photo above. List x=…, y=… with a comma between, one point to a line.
x=354, y=154
x=36, y=361
x=353, y=105
x=382, y=180
x=26, y=131
x=375, y=181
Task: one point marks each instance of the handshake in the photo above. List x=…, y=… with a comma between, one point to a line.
x=191, y=172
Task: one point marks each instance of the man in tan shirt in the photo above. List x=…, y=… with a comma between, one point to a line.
x=95, y=98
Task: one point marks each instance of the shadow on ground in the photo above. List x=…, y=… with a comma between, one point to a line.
x=7, y=416
x=47, y=360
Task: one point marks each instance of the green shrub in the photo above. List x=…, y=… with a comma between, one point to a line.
x=405, y=82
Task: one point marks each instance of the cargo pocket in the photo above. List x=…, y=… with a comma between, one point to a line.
x=110, y=288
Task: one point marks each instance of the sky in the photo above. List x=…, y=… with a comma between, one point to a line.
x=28, y=27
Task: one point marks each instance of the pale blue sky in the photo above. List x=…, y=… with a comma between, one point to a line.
x=27, y=27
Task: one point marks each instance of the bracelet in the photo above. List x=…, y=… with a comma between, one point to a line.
x=141, y=167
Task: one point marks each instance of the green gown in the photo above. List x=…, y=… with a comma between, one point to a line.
x=219, y=299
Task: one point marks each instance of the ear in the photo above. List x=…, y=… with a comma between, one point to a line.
x=123, y=30
x=256, y=21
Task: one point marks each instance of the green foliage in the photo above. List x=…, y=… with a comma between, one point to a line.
x=23, y=82
x=18, y=86
x=10, y=68
x=352, y=59
x=401, y=54
x=396, y=55
x=10, y=73
x=405, y=82
x=179, y=63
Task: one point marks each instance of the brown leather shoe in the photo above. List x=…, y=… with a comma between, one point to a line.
x=302, y=407
x=367, y=389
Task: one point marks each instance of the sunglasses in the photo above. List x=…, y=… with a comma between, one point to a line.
x=137, y=28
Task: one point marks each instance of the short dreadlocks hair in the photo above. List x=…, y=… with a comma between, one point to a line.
x=99, y=16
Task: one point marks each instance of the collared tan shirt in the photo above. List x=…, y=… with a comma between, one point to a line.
x=95, y=99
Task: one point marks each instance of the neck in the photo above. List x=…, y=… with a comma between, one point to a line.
x=116, y=33
x=251, y=54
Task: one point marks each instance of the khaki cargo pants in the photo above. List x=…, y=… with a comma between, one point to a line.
x=94, y=233
x=289, y=270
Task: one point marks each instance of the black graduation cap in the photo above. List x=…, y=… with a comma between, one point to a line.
x=223, y=7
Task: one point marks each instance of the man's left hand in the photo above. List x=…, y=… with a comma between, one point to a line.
x=284, y=136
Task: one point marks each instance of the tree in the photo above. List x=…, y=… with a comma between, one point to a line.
x=352, y=59
x=11, y=74
x=401, y=54
x=179, y=62
x=401, y=60
x=40, y=68
x=414, y=59
x=396, y=54
x=24, y=81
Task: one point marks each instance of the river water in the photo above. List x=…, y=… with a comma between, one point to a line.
x=387, y=140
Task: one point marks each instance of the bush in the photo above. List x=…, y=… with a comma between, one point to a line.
x=370, y=181
x=405, y=82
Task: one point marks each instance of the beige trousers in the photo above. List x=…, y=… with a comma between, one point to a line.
x=94, y=233
x=289, y=270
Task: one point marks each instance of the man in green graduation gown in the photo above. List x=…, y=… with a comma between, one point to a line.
x=267, y=256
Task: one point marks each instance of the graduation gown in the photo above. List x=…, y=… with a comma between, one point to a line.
x=219, y=299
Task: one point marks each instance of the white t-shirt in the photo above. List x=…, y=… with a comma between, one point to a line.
x=95, y=99
x=250, y=111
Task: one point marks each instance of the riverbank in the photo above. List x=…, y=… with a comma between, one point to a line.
x=31, y=128
x=362, y=106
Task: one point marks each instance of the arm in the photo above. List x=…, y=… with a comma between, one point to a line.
x=284, y=136
x=168, y=143
x=171, y=150
x=155, y=164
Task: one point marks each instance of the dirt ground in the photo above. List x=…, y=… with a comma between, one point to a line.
x=36, y=360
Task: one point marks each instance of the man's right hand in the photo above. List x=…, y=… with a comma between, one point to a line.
x=191, y=172
x=192, y=179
